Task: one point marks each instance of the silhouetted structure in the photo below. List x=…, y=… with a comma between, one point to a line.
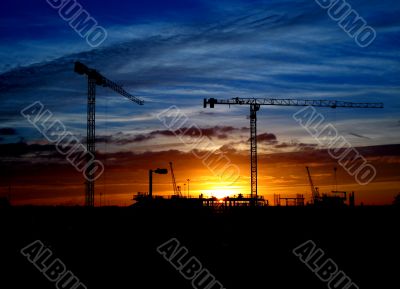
x=177, y=189
x=297, y=201
x=234, y=201
x=144, y=199
x=95, y=78
x=314, y=190
x=335, y=199
x=255, y=105
x=352, y=201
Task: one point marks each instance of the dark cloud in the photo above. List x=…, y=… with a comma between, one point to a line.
x=226, y=128
x=7, y=131
x=358, y=135
x=206, y=113
x=124, y=139
x=283, y=145
x=217, y=131
x=163, y=133
x=139, y=138
x=47, y=154
x=220, y=132
x=21, y=149
x=306, y=146
x=266, y=138
x=296, y=145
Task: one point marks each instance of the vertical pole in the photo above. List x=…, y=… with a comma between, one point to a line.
x=188, y=180
x=352, y=200
x=253, y=152
x=90, y=141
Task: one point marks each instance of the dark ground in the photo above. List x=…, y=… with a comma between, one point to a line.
x=116, y=247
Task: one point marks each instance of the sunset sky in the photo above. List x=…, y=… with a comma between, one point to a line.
x=178, y=53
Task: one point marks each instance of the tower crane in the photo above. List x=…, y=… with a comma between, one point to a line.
x=177, y=189
x=314, y=191
x=95, y=78
x=255, y=105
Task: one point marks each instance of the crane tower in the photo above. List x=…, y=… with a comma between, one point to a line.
x=177, y=189
x=314, y=191
x=255, y=105
x=95, y=78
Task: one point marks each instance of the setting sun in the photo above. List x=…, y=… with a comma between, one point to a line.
x=220, y=192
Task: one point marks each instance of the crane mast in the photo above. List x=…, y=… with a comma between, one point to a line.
x=90, y=141
x=94, y=79
x=177, y=190
x=314, y=192
x=253, y=150
x=256, y=103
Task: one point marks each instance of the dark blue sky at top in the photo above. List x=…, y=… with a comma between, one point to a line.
x=20, y=12
x=178, y=52
x=25, y=18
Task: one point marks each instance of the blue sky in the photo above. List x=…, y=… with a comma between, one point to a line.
x=179, y=52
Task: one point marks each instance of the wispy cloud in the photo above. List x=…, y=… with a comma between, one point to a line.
x=279, y=49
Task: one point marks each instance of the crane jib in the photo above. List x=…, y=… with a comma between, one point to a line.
x=255, y=104
x=291, y=102
x=95, y=78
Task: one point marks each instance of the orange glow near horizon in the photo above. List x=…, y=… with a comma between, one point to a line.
x=279, y=174
x=219, y=192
